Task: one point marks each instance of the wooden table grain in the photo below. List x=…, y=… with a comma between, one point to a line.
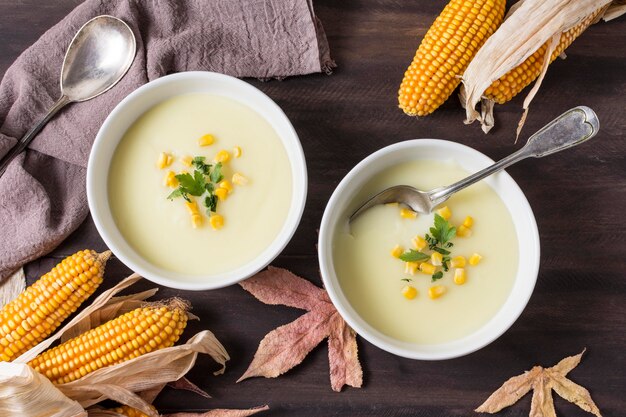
x=578, y=197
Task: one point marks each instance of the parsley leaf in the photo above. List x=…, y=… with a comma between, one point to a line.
x=414, y=256
x=175, y=194
x=210, y=202
x=437, y=275
x=190, y=185
x=406, y=279
x=216, y=174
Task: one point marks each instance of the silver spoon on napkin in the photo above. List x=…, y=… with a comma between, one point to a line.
x=98, y=57
x=573, y=127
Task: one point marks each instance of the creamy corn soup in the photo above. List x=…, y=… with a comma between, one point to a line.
x=420, y=302
x=200, y=184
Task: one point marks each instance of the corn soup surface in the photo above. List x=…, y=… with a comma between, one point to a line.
x=371, y=277
x=160, y=230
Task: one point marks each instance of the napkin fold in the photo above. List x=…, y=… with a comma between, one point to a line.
x=42, y=193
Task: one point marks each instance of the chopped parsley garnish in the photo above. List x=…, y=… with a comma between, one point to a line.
x=414, y=256
x=203, y=182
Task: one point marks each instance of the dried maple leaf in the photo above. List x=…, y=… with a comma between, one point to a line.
x=542, y=381
x=288, y=345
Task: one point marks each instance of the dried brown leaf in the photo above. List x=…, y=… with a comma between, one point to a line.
x=187, y=385
x=288, y=345
x=542, y=381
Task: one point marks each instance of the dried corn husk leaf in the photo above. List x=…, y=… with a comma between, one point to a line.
x=212, y=413
x=542, y=381
x=530, y=25
x=24, y=392
x=615, y=10
x=11, y=287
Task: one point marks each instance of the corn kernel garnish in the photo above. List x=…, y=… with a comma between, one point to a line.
x=411, y=267
x=170, y=180
x=397, y=251
x=226, y=185
x=239, y=179
x=436, y=291
x=468, y=222
x=187, y=160
x=206, y=140
x=436, y=259
x=459, y=276
x=192, y=207
x=409, y=292
x=221, y=193
x=217, y=221
x=405, y=213
x=444, y=212
x=196, y=220
x=222, y=156
x=427, y=268
x=457, y=262
x=165, y=160
x=475, y=259
x=391, y=204
x=463, y=231
x=236, y=151
x=419, y=242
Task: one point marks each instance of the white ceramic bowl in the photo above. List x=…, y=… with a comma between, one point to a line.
x=137, y=103
x=342, y=204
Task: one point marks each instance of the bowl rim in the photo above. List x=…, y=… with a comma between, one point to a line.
x=289, y=139
x=374, y=336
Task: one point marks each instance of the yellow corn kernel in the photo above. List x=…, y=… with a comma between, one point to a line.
x=131, y=412
x=222, y=156
x=468, y=222
x=217, y=221
x=419, y=242
x=391, y=204
x=457, y=262
x=187, y=160
x=444, y=212
x=436, y=259
x=397, y=251
x=196, y=220
x=164, y=160
x=459, y=276
x=226, y=185
x=463, y=231
x=192, y=207
x=409, y=292
x=445, y=52
x=170, y=180
x=405, y=213
x=236, y=151
x=239, y=179
x=427, y=268
x=475, y=259
x=221, y=193
x=436, y=291
x=411, y=267
x=206, y=140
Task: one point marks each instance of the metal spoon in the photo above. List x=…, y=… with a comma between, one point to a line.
x=98, y=57
x=573, y=127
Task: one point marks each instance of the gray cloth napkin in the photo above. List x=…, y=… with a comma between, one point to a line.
x=42, y=194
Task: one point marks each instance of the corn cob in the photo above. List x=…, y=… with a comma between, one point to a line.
x=130, y=335
x=40, y=309
x=129, y=411
x=446, y=51
x=514, y=81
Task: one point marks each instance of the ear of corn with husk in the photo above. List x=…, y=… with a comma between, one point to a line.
x=125, y=382
x=40, y=309
x=533, y=34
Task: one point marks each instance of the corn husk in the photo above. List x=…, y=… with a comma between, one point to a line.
x=135, y=382
x=529, y=25
x=615, y=10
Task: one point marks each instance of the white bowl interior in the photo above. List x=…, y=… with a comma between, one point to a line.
x=342, y=204
x=137, y=103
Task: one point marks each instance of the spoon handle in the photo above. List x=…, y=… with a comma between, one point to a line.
x=28, y=137
x=573, y=127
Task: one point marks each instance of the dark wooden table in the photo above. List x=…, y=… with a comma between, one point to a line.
x=579, y=200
